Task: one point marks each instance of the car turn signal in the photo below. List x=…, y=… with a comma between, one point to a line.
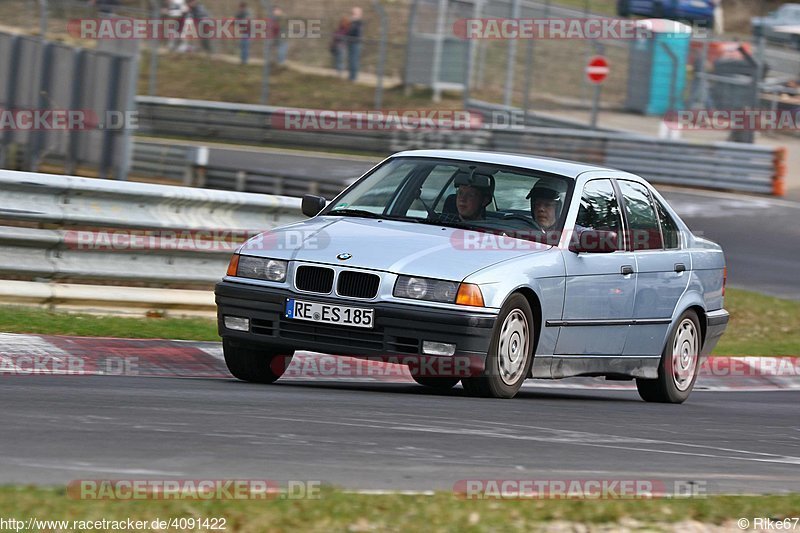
x=233, y=266
x=469, y=294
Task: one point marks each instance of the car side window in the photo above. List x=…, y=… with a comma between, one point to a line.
x=599, y=209
x=669, y=229
x=645, y=229
x=375, y=199
x=439, y=177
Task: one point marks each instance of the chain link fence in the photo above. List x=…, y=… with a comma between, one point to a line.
x=306, y=44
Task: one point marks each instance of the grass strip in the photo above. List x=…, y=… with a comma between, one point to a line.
x=760, y=325
x=338, y=510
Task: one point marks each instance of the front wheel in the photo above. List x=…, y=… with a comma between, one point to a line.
x=677, y=371
x=510, y=353
x=256, y=365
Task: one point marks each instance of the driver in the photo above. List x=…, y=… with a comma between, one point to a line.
x=471, y=202
x=544, y=205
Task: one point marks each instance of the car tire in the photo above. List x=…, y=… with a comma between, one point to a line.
x=256, y=365
x=623, y=8
x=436, y=382
x=677, y=371
x=510, y=355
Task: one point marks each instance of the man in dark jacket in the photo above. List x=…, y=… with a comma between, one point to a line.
x=354, y=34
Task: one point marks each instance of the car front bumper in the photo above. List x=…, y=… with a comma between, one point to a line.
x=398, y=333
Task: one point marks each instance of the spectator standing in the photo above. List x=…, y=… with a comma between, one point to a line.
x=243, y=18
x=198, y=12
x=354, y=35
x=338, y=44
x=279, y=34
x=175, y=10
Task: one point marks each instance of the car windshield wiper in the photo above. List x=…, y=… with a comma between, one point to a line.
x=369, y=214
x=355, y=213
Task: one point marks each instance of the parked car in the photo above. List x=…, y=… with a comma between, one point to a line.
x=781, y=25
x=698, y=11
x=567, y=269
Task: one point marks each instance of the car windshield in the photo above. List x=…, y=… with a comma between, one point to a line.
x=457, y=193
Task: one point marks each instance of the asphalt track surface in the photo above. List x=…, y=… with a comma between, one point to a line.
x=760, y=235
x=389, y=436
x=396, y=436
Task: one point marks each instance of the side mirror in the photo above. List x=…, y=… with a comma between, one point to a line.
x=312, y=205
x=594, y=241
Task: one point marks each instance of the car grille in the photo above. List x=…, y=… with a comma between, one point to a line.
x=314, y=279
x=358, y=284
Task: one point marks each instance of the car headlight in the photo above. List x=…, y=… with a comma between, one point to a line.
x=432, y=290
x=261, y=268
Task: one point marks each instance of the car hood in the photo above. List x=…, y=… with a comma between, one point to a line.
x=389, y=245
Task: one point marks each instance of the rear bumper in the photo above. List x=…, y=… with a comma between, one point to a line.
x=399, y=328
x=716, y=322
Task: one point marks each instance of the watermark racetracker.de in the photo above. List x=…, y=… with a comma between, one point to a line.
x=193, y=489
x=200, y=29
x=42, y=119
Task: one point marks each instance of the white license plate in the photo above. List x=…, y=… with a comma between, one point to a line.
x=330, y=314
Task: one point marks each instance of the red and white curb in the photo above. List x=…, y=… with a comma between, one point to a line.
x=26, y=355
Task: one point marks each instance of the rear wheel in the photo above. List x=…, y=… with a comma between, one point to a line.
x=253, y=364
x=677, y=371
x=510, y=353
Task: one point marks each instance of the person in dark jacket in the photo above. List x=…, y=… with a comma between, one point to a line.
x=197, y=12
x=243, y=18
x=339, y=44
x=354, y=36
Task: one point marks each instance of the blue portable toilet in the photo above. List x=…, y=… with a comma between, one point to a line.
x=657, y=66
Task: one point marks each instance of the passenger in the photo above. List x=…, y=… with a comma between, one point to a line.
x=544, y=205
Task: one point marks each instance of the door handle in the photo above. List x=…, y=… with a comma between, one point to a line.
x=626, y=270
x=680, y=267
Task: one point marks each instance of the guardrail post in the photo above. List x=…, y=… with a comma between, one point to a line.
x=779, y=161
x=197, y=169
x=241, y=181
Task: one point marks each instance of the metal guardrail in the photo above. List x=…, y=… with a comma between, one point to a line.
x=721, y=165
x=161, y=160
x=83, y=232
x=259, y=124
x=493, y=113
x=188, y=164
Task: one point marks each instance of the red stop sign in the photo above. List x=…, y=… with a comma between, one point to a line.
x=597, y=70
